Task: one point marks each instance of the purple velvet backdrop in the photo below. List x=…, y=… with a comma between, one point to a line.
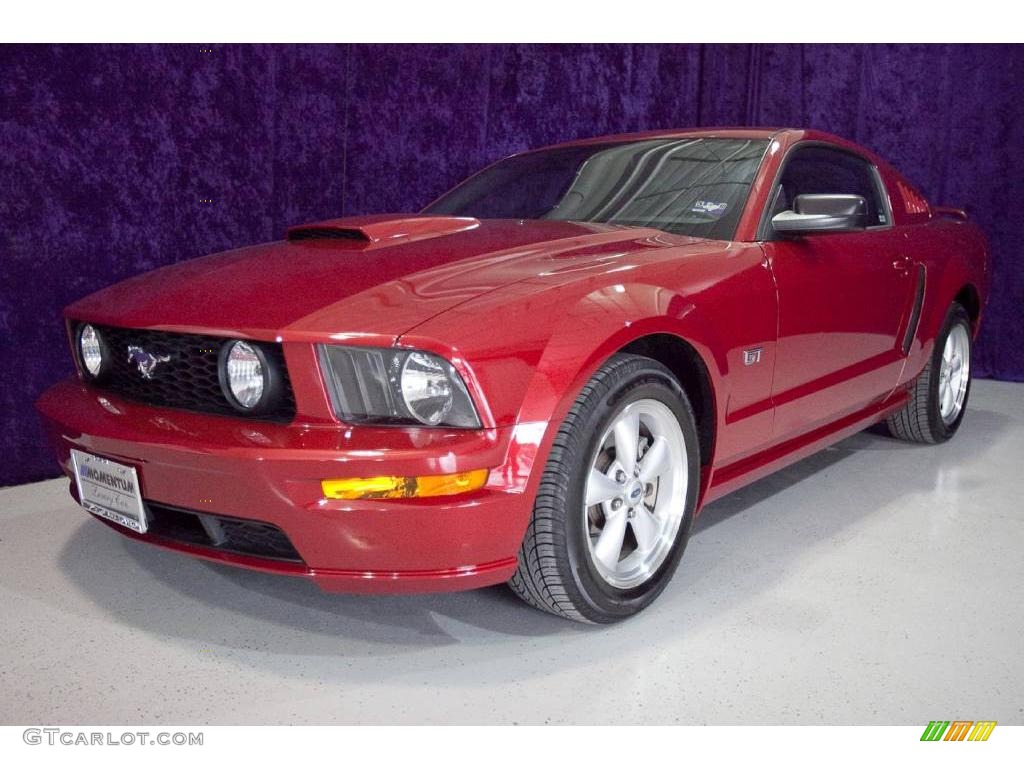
x=107, y=153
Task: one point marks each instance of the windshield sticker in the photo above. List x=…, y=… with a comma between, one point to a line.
x=709, y=207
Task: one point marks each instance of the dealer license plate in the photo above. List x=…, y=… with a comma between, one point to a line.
x=109, y=489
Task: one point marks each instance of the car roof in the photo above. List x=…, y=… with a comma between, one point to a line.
x=717, y=132
x=787, y=136
x=722, y=132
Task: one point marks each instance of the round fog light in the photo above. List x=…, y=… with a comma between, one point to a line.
x=246, y=374
x=91, y=349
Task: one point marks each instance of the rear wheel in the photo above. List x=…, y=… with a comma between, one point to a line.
x=938, y=397
x=616, y=499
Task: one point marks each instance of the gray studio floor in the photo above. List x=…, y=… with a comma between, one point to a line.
x=874, y=583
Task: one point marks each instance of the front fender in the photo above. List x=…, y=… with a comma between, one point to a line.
x=603, y=322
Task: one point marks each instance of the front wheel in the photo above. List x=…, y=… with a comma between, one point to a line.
x=938, y=397
x=616, y=499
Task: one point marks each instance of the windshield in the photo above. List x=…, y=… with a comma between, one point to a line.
x=693, y=186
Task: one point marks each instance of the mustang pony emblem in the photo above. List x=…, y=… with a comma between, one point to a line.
x=145, y=361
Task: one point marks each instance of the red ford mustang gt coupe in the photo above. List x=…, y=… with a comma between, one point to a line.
x=539, y=379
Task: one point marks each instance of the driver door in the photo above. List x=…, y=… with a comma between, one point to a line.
x=841, y=297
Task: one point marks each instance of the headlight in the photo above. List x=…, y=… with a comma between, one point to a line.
x=395, y=386
x=90, y=349
x=427, y=389
x=245, y=375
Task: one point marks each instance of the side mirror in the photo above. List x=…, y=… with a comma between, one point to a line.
x=823, y=214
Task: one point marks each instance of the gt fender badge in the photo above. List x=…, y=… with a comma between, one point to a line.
x=751, y=356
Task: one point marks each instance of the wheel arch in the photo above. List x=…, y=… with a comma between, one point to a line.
x=944, y=285
x=957, y=265
x=969, y=297
x=689, y=368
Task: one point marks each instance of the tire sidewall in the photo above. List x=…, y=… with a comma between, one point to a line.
x=605, y=603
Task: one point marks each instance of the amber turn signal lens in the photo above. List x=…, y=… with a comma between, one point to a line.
x=385, y=487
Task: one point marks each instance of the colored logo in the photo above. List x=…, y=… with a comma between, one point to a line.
x=958, y=730
x=145, y=361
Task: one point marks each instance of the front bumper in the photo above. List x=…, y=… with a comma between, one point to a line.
x=271, y=473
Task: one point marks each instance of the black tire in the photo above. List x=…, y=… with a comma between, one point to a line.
x=920, y=420
x=555, y=571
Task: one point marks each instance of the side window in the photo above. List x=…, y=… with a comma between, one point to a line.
x=824, y=171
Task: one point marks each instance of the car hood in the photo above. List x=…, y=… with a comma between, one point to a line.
x=357, y=277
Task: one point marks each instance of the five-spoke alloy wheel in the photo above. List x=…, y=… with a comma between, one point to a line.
x=635, y=493
x=954, y=373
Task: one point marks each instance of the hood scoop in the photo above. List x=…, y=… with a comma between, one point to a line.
x=381, y=230
x=298, y=234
